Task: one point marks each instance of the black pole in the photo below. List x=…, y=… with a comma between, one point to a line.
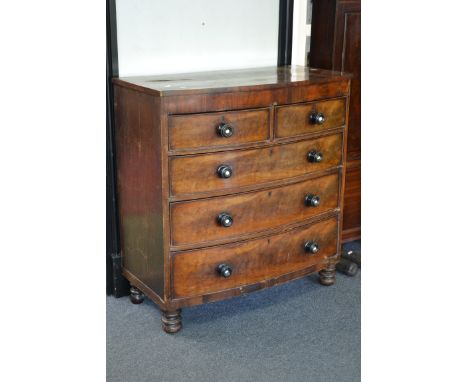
x=285, y=32
x=115, y=282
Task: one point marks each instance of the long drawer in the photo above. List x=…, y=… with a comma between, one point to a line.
x=203, y=173
x=195, y=131
x=199, y=272
x=201, y=221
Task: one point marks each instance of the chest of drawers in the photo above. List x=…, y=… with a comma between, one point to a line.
x=228, y=182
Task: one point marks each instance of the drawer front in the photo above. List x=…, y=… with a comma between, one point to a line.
x=200, y=173
x=196, y=222
x=218, y=129
x=303, y=119
x=195, y=272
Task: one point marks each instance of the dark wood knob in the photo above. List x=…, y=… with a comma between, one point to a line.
x=315, y=156
x=224, y=270
x=225, y=219
x=224, y=171
x=312, y=200
x=311, y=247
x=317, y=118
x=225, y=130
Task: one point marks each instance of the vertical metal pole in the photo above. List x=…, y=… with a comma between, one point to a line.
x=285, y=32
x=115, y=282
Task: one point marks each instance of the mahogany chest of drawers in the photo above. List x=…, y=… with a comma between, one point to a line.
x=228, y=182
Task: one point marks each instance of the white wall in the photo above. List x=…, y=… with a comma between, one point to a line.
x=176, y=36
x=301, y=29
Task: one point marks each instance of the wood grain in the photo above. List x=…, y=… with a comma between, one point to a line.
x=254, y=98
x=293, y=120
x=237, y=80
x=352, y=202
x=336, y=45
x=139, y=186
x=200, y=130
x=169, y=191
x=195, y=222
x=194, y=272
x=347, y=57
x=195, y=174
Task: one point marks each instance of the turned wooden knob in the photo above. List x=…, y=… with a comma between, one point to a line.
x=224, y=270
x=224, y=171
x=315, y=156
x=312, y=200
x=311, y=247
x=225, y=219
x=317, y=118
x=225, y=130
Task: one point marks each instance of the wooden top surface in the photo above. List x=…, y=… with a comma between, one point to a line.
x=230, y=80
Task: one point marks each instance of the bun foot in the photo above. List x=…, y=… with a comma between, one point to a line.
x=136, y=295
x=171, y=321
x=328, y=275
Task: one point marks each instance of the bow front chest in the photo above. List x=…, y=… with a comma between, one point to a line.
x=228, y=182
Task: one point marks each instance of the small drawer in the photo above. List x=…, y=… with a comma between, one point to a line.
x=197, y=131
x=230, y=266
x=229, y=170
x=293, y=120
x=226, y=217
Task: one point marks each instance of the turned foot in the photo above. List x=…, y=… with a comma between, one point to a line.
x=136, y=295
x=328, y=275
x=171, y=321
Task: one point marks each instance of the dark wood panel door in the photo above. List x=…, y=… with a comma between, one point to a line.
x=347, y=58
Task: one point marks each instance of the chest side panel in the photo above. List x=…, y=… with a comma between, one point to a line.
x=139, y=186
